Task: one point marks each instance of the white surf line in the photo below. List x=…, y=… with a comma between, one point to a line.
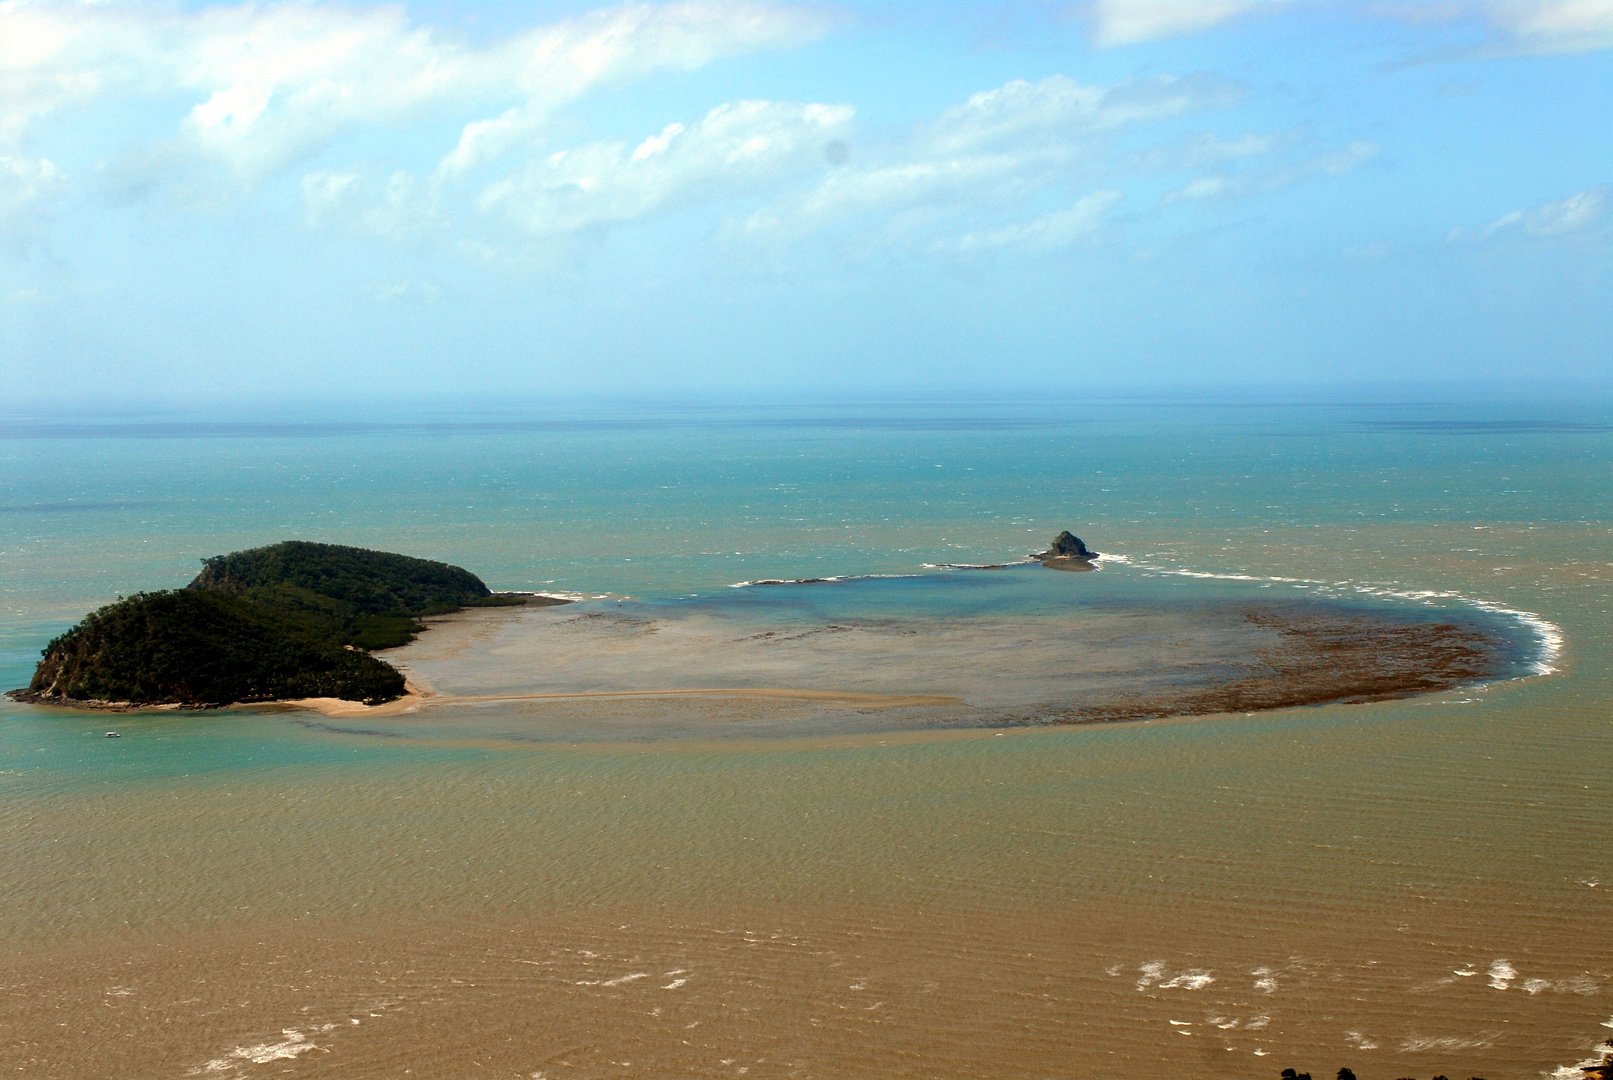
x=547, y=594
x=1548, y=635
x=1028, y=560
x=825, y=580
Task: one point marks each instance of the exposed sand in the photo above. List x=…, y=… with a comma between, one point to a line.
x=635, y=672
x=412, y=700
x=645, y=670
x=415, y=699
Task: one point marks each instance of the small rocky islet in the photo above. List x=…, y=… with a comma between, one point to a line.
x=1068, y=552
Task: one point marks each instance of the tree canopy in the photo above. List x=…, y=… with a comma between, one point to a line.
x=294, y=619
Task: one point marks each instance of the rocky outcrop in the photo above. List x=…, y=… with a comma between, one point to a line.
x=1066, y=545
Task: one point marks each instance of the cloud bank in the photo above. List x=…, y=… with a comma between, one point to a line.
x=1522, y=26
x=1579, y=214
x=28, y=186
x=273, y=83
x=241, y=95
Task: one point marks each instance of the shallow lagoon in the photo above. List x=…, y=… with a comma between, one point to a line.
x=943, y=649
x=1407, y=887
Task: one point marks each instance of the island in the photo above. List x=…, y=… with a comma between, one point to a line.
x=1069, y=552
x=291, y=620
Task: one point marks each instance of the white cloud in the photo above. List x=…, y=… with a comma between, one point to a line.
x=1579, y=213
x=1205, y=187
x=1339, y=162
x=27, y=188
x=1050, y=232
x=1126, y=22
x=1529, y=26
x=272, y=83
x=408, y=292
x=325, y=195
x=396, y=210
x=741, y=148
x=1376, y=249
x=1199, y=151
x=1059, y=107
x=1023, y=166
x=1252, y=181
x=625, y=43
x=1548, y=26
x=993, y=150
x=1574, y=214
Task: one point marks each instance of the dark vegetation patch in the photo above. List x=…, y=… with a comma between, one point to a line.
x=292, y=620
x=204, y=648
x=1316, y=657
x=361, y=582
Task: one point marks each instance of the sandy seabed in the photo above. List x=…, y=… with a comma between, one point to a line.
x=555, y=859
x=631, y=671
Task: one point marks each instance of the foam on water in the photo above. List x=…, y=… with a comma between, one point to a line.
x=1548, y=636
x=1446, y=1043
x=291, y=1045
x=827, y=580
x=1602, y=1057
x=1153, y=976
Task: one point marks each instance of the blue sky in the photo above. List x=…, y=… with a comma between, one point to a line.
x=313, y=201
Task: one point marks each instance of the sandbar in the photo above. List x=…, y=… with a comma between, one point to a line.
x=636, y=670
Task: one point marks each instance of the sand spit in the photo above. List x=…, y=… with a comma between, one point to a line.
x=415, y=700
x=340, y=708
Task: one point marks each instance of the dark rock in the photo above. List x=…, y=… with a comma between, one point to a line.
x=1066, y=545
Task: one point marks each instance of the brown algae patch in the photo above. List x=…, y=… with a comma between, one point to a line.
x=632, y=670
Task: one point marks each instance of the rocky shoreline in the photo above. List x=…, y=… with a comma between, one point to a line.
x=33, y=697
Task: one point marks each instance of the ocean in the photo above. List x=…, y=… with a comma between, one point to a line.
x=1406, y=887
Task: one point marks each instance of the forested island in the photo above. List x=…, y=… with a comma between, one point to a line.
x=292, y=620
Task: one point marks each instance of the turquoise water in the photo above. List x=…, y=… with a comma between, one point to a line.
x=1376, y=862
x=657, y=503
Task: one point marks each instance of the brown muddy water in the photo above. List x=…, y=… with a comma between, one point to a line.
x=1406, y=887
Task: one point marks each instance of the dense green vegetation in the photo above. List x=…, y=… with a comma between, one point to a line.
x=364, y=582
x=204, y=648
x=292, y=620
x=368, y=599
